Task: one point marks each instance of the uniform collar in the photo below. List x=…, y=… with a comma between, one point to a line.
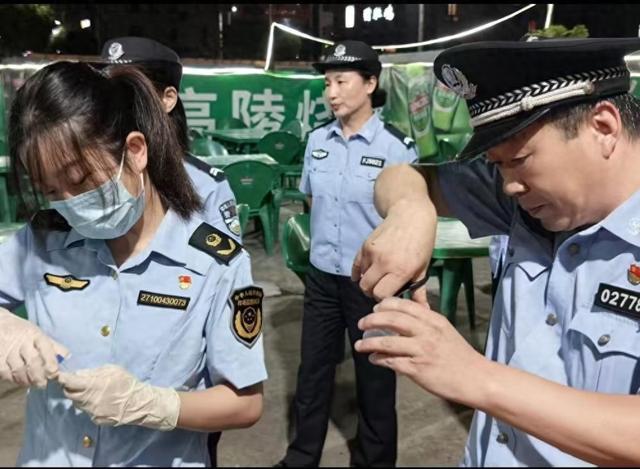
x=170, y=241
x=367, y=131
x=624, y=222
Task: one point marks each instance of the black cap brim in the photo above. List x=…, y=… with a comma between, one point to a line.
x=494, y=134
x=360, y=65
x=490, y=135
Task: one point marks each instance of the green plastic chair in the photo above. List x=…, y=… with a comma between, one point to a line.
x=286, y=148
x=294, y=127
x=243, y=216
x=453, y=271
x=253, y=182
x=296, y=243
x=452, y=274
x=207, y=147
x=224, y=123
x=280, y=145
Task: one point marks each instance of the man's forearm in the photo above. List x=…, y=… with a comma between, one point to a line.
x=395, y=183
x=597, y=427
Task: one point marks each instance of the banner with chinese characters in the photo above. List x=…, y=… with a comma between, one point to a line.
x=265, y=101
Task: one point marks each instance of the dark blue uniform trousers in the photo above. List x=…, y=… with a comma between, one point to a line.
x=331, y=304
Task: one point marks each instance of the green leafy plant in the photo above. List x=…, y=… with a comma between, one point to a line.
x=560, y=31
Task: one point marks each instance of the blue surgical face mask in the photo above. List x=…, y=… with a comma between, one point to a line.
x=106, y=212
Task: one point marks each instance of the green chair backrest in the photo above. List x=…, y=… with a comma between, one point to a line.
x=195, y=133
x=207, y=147
x=230, y=123
x=294, y=127
x=296, y=242
x=250, y=181
x=243, y=216
x=281, y=146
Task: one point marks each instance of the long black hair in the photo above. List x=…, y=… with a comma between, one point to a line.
x=71, y=111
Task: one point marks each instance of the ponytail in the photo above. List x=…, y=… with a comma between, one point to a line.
x=68, y=110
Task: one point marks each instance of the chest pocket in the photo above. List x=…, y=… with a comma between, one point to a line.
x=522, y=285
x=320, y=176
x=362, y=183
x=603, y=351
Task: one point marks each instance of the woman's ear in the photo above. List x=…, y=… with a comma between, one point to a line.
x=169, y=98
x=371, y=84
x=136, y=148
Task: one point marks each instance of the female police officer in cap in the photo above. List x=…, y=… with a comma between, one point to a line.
x=151, y=311
x=341, y=163
x=162, y=65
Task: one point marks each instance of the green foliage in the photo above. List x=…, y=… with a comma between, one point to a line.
x=25, y=27
x=560, y=31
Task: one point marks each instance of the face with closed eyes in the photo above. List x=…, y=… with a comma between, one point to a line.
x=564, y=182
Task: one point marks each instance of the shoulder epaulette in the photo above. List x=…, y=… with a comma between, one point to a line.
x=216, y=243
x=324, y=124
x=407, y=141
x=215, y=173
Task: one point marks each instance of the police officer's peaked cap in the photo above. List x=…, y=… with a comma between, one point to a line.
x=147, y=52
x=508, y=85
x=351, y=55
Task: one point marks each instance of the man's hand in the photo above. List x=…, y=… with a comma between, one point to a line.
x=398, y=250
x=113, y=396
x=427, y=349
x=27, y=355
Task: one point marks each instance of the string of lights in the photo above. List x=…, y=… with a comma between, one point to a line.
x=451, y=37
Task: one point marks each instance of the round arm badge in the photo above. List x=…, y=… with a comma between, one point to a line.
x=246, y=320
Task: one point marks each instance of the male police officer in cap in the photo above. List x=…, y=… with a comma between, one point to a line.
x=559, y=380
x=342, y=161
x=162, y=65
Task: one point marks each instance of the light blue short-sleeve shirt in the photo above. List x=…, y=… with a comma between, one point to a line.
x=567, y=308
x=339, y=174
x=219, y=202
x=170, y=315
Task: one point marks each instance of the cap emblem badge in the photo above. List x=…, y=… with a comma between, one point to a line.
x=456, y=80
x=340, y=50
x=115, y=51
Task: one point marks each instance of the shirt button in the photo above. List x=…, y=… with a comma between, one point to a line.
x=604, y=339
x=502, y=438
x=105, y=331
x=87, y=442
x=574, y=249
x=114, y=274
x=552, y=320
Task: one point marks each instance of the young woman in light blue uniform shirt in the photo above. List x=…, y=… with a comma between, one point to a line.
x=152, y=312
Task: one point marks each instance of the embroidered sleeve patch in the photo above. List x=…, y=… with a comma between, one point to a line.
x=246, y=320
x=619, y=300
x=372, y=161
x=148, y=298
x=230, y=216
x=214, y=242
x=66, y=282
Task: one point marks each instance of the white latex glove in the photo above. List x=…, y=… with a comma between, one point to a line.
x=27, y=355
x=113, y=396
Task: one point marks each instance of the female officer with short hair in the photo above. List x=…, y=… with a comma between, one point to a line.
x=152, y=311
x=342, y=160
